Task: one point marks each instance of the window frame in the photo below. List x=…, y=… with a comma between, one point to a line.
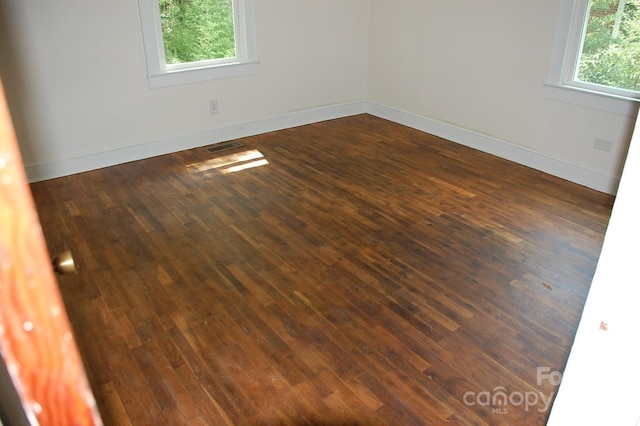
x=561, y=84
x=161, y=74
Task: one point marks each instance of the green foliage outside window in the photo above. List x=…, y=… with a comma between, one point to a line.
x=197, y=30
x=611, y=50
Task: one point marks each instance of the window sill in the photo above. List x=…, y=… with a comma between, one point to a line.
x=596, y=100
x=196, y=75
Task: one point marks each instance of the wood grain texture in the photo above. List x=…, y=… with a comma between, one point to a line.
x=355, y=271
x=36, y=342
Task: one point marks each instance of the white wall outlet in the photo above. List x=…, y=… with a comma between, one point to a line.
x=602, y=144
x=213, y=106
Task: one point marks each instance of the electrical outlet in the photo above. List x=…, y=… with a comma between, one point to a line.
x=602, y=144
x=213, y=106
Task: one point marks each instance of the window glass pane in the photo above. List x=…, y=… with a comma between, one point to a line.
x=197, y=30
x=610, y=53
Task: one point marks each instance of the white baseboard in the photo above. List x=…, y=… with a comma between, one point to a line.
x=125, y=154
x=522, y=155
x=519, y=154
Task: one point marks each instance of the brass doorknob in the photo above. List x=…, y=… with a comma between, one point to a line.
x=63, y=263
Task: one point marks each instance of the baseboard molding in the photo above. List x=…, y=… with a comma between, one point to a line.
x=125, y=154
x=519, y=154
x=546, y=163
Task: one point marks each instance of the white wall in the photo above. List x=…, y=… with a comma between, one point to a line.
x=601, y=383
x=466, y=70
x=82, y=74
x=480, y=66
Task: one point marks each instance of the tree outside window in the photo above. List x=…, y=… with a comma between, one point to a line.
x=610, y=53
x=197, y=30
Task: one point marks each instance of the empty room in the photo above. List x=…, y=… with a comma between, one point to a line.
x=323, y=212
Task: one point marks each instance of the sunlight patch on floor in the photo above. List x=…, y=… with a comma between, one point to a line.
x=231, y=163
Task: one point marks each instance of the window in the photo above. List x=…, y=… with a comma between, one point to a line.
x=610, y=47
x=596, y=58
x=187, y=41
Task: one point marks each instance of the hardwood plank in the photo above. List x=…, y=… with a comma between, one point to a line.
x=368, y=273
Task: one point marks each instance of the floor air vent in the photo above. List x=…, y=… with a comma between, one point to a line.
x=222, y=146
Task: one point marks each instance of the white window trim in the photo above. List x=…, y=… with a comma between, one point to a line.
x=560, y=85
x=161, y=74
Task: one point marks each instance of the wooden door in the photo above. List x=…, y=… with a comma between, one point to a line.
x=41, y=374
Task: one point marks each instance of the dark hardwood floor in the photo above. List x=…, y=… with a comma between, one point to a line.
x=353, y=271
